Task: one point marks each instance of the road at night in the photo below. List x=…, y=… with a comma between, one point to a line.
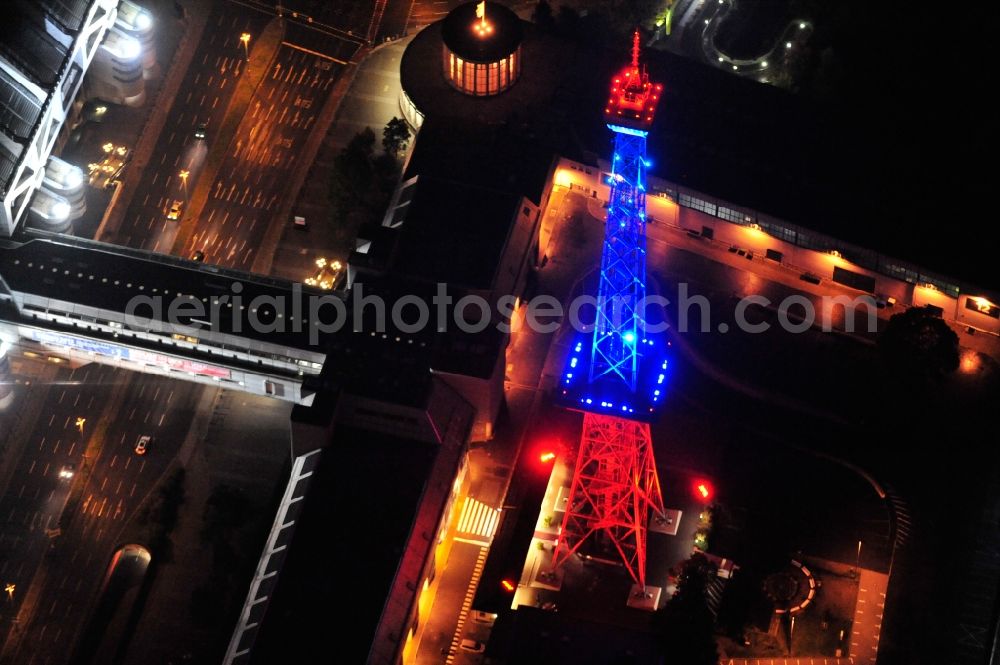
x=254, y=174
x=203, y=98
x=119, y=407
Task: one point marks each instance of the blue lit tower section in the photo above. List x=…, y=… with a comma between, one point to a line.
x=615, y=374
x=620, y=327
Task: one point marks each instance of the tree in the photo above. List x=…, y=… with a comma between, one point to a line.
x=543, y=17
x=160, y=515
x=362, y=182
x=919, y=344
x=395, y=136
x=685, y=624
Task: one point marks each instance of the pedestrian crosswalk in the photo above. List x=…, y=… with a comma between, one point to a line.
x=477, y=518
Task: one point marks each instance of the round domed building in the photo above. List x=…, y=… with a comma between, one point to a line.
x=481, y=48
x=473, y=62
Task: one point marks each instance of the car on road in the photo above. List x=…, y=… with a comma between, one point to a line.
x=484, y=617
x=67, y=472
x=474, y=646
x=198, y=255
x=175, y=210
x=142, y=445
x=201, y=131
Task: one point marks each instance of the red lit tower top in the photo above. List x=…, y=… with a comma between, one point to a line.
x=633, y=98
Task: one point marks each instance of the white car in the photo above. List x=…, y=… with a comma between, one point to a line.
x=475, y=646
x=142, y=445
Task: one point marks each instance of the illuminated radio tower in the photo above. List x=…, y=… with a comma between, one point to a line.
x=615, y=486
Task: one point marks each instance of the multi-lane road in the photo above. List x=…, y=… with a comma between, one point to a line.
x=252, y=180
x=247, y=188
x=56, y=557
x=204, y=97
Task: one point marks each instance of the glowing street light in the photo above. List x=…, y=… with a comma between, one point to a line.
x=703, y=490
x=547, y=457
x=508, y=586
x=245, y=38
x=79, y=424
x=9, y=588
x=184, y=179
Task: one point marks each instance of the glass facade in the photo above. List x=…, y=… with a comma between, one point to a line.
x=481, y=79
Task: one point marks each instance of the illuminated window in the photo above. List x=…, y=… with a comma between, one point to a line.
x=698, y=204
x=780, y=232
x=481, y=88
x=493, y=78
x=737, y=216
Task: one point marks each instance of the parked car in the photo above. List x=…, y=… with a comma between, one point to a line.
x=475, y=646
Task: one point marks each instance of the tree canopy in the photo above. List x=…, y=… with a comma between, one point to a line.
x=918, y=343
x=685, y=624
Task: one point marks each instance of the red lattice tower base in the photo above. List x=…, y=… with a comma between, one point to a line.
x=614, y=488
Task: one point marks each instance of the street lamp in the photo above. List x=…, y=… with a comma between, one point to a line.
x=184, y=179
x=79, y=424
x=10, y=591
x=245, y=38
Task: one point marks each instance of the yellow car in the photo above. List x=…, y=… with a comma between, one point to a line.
x=175, y=211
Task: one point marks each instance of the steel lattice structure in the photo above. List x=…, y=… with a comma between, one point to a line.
x=615, y=486
x=619, y=325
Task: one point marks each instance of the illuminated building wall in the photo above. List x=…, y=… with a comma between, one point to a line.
x=481, y=79
x=36, y=101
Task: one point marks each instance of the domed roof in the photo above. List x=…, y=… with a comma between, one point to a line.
x=461, y=37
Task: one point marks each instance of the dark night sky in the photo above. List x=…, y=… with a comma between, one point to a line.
x=914, y=80
x=890, y=124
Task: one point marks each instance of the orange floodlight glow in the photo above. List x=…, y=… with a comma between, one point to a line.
x=507, y=585
x=482, y=27
x=547, y=457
